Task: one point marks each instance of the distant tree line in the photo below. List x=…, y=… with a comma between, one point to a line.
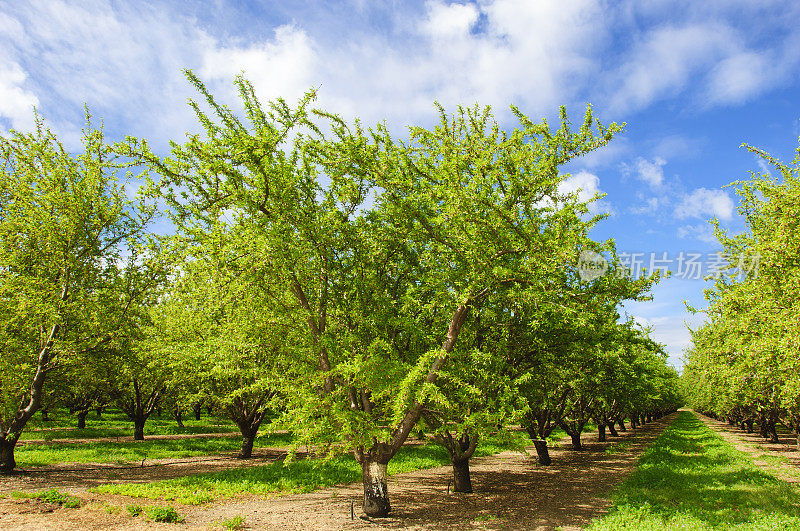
x=744, y=362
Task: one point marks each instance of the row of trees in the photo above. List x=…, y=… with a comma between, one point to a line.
x=743, y=363
x=361, y=286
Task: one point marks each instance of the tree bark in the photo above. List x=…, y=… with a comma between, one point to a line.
x=601, y=432
x=196, y=408
x=376, y=495
x=542, y=453
x=621, y=423
x=178, y=414
x=612, y=430
x=461, y=478
x=773, y=433
x=138, y=427
x=576, y=441
x=7, y=462
x=45, y=415
x=248, y=439
x=99, y=412
x=82, y=418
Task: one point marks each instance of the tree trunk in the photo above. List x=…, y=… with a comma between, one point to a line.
x=601, y=432
x=576, y=441
x=749, y=424
x=612, y=430
x=461, y=479
x=248, y=438
x=99, y=412
x=82, y=418
x=773, y=434
x=179, y=416
x=376, y=495
x=7, y=462
x=196, y=408
x=621, y=423
x=634, y=424
x=138, y=427
x=798, y=439
x=45, y=415
x=541, y=451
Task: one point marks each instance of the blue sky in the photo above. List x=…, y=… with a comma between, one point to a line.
x=691, y=79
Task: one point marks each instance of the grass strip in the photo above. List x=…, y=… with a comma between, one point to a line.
x=690, y=478
x=133, y=452
x=300, y=475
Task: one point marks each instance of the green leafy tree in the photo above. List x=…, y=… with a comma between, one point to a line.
x=64, y=224
x=461, y=212
x=743, y=361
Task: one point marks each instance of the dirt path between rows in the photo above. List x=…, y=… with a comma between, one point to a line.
x=781, y=459
x=511, y=492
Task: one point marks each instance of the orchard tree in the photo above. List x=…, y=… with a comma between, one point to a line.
x=460, y=212
x=65, y=223
x=226, y=328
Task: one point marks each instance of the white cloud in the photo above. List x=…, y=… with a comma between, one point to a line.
x=650, y=207
x=662, y=63
x=739, y=76
x=125, y=59
x=702, y=232
x=651, y=172
x=751, y=72
x=285, y=66
x=586, y=185
x=702, y=203
x=448, y=21
x=16, y=102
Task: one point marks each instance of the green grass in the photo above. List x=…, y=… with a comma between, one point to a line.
x=163, y=514
x=51, y=496
x=690, y=478
x=235, y=522
x=62, y=425
x=28, y=455
x=301, y=475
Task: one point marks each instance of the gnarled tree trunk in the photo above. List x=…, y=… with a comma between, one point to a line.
x=7, y=462
x=542, y=454
x=601, y=432
x=374, y=463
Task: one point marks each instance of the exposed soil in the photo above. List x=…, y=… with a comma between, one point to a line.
x=759, y=448
x=512, y=491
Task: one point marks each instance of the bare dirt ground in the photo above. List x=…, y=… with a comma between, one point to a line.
x=765, y=454
x=511, y=492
